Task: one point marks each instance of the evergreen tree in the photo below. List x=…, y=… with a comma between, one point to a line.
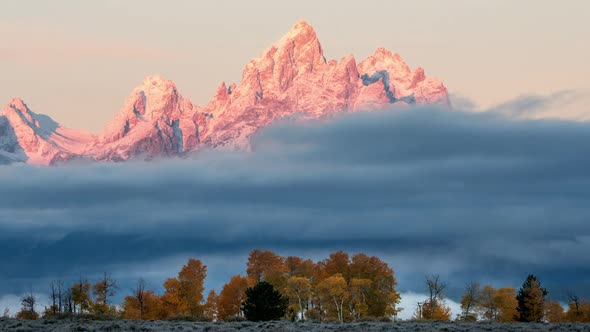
x=264, y=303
x=531, y=300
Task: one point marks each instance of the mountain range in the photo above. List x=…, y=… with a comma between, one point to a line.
x=291, y=77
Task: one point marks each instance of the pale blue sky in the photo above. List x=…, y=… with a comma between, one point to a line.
x=78, y=60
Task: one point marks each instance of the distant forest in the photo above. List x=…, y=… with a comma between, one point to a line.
x=340, y=288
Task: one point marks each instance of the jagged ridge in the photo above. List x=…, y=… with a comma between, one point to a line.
x=292, y=76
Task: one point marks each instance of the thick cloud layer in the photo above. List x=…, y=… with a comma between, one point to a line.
x=470, y=196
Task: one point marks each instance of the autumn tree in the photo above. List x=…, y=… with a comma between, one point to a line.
x=80, y=292
x=531, y=300
x=334, y=291
x=298, y=290
x=497, y=305
x=487, y=304
x=103, y=290
x=264, y=302
x=585, y=313
x=231, y=297
x=380, y=295
x=554, y=312
x=316, y=309
x=142, y=304
x=360, y=291
x=578, y=309
x=338, y=263
x=151, y=309
x=440, y=311
x=184, y=294
x=506, y=304
x=266, y=266
x=297, y=267
x=470, y=302
x=28, y=303
x=210, y=307
x=434, y=308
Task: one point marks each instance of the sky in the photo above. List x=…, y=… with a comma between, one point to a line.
x=492, y=190
x=77, y=61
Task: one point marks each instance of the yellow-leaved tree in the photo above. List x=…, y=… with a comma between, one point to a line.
x=334, y=292
x=103, y=290
x=470, y=301
x=434, y=308
x=360, y=291
x=184, y=294
x=81, y=296
x=298, y=289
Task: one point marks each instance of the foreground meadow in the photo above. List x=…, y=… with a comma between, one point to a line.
x=164, y=326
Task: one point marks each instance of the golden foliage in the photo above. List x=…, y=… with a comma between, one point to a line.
x=436, y=310
x=184, y=294
x=554, y=312
x=334, y=292
x=231, y=298
x=266, y=266
x=298, y=289
x=210, y=308
x=153, y=308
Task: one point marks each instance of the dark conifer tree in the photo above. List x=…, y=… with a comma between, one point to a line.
x=531, y=300
x=264, y=303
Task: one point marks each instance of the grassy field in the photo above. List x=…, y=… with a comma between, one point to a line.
x=86, y=325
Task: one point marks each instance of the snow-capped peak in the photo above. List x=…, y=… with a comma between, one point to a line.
x=291, y=76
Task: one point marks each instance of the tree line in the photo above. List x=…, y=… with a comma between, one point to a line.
x=339, y=288
x=530, y=304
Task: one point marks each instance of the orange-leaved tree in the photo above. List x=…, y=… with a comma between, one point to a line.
x=554, y=312
x=210, y=308
x=266, y=266
x=150, y=309
x=81, y=296
x=231, y=298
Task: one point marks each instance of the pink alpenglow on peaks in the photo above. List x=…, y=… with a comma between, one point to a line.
x=154, y=121
x=290, y=77
x=35, y=138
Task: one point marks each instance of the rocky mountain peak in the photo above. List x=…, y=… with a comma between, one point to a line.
x=291, y=77
x=157, y=83
x=17, y=103
x=18, y=111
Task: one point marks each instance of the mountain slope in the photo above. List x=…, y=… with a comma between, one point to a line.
x=291, y=77
x=37, y=139
x=155, y=121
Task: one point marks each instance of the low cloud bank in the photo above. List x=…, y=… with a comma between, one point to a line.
x=472, y=196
